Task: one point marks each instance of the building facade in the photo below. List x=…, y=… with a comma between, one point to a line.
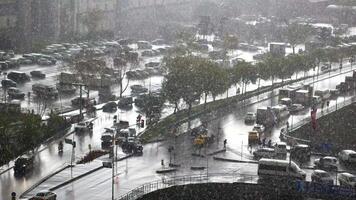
x=8, y=22
x=95, y=16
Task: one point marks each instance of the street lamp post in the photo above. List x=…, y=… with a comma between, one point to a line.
x=112, y=167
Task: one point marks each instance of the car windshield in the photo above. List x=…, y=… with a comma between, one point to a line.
x=352, y=179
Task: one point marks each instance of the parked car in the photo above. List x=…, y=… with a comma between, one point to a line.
x=6, y=83
x=110, y=107
x=18, y=77
x=66, y=88
x=137, y=89
x=15, y=93
x=321, y=176
x=3, y=65
x=44, y=91
x=44, y=196
x=44, y=62
x=250, y=118
x=301, y=152
x=77, y=101
x=294, y=108
x=347, y=179
x=348, y=156
x=37, y=74
x=23, y=165
x=264, y=153
x=144, y=45
x=25, y=61
x=327, y=162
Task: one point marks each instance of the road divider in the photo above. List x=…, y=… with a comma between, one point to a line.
x=75, y=178
x=235, y=160
x=166, y=170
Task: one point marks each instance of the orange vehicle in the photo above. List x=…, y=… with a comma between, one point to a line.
x=253, y=137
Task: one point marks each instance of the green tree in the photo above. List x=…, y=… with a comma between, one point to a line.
x=246, y=72
x=182, y=78
x=219, y=81
x=296, y=34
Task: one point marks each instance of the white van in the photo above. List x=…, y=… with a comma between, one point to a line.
x=347, y=156
x=272, y=168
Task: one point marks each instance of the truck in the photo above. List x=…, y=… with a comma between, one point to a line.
x=266, y=117
x=302, y=97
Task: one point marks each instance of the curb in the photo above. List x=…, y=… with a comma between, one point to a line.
x=234, y=160
x=198, y=155
x=6, y=170
x=217, y=152
x=125, y=157
x=75, y=178
x=43, y=180
x=197, y=168
x=162, y=171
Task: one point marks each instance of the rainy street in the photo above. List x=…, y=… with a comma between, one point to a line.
x=135, y=171
x=177, y=99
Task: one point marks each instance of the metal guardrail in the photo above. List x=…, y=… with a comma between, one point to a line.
x=185, y=180
x=325, y=111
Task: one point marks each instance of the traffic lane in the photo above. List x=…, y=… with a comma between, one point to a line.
x=235, y=130
x=132, y=173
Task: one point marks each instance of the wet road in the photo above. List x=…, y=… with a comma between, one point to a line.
x=233, y=129
x=142, y=169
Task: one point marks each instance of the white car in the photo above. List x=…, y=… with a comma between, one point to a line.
x=347, y=179
x=250, y=117
x=321, y=176
x=264, y=153
x=259, y=128
x=327, y=162
x=347, y=156
x=44, y=196
x=294, y=108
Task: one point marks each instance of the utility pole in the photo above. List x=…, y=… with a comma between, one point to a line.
x=112, y=167
x=81, y=98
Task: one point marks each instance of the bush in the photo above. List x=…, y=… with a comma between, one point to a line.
x=91, y=156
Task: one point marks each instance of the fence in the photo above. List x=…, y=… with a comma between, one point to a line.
x=285, y=134
x=185, y=180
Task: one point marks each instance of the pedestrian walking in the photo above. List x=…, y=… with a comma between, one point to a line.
x=269, y=143
x=264, y=142
x=250, y=147
x=287, y=124
x=89, y=147
x=162, y=163
x=225, y=142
